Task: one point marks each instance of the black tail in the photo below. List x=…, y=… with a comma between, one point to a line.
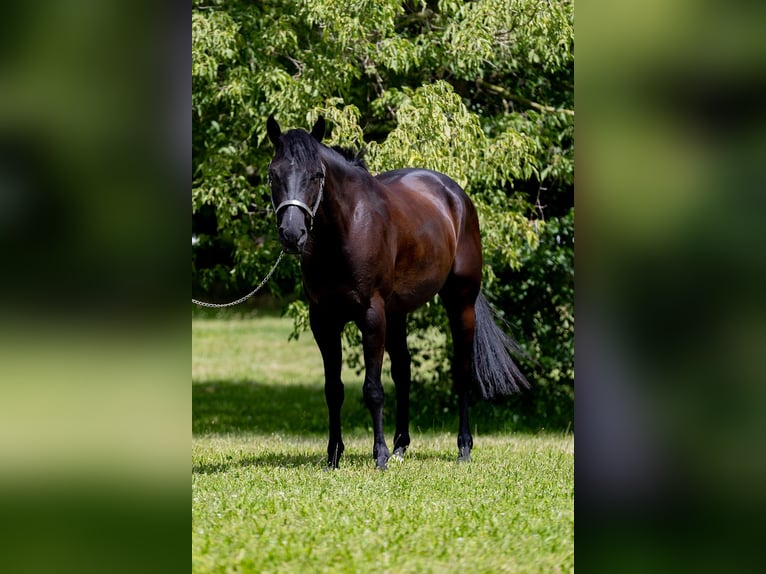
x=494, y=370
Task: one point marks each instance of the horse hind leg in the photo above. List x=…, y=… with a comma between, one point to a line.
x=462, y=327
x=401, y=373
x=459, y=303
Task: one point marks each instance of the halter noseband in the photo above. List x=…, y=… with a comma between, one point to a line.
x=310, y=211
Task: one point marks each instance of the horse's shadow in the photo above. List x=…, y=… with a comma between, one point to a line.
x=246, y=407
x=273, y=460
x=311, y=462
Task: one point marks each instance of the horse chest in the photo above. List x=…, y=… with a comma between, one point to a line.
x=334, y=282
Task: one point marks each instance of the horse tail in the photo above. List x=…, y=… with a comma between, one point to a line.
x=494, y=370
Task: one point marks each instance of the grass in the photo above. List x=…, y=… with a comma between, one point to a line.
x=261, y=501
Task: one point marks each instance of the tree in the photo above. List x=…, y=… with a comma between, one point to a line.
x=482, y=91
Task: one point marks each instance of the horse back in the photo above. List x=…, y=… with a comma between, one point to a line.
x=427, y=201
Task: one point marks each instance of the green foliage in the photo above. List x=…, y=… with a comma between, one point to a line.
x=482, y=91
x=537, y=299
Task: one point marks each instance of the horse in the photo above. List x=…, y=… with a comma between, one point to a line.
x=373, y=249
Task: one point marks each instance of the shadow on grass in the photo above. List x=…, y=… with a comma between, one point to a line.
x=312, y=461
x=235, y=407
x=268, y=459
x=317, y=461
x=223, y=407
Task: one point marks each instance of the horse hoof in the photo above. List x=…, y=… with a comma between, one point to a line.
x=381, y=468
x=464, y=457
x=398, y=455
x=382, y=462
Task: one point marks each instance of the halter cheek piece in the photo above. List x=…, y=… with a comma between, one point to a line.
x=310, y=211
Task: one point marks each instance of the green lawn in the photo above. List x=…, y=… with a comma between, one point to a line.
x=261, y=501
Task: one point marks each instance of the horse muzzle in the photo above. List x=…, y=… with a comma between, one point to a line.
x=291, y=243
x=293, y=231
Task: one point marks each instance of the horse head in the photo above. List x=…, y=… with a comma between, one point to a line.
x=296, y=178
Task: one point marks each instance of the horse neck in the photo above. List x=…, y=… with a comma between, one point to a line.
x=342, y=190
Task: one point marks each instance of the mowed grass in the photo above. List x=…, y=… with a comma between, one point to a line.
x=261, y=501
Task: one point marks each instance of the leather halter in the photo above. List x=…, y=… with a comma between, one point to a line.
x=310, y=211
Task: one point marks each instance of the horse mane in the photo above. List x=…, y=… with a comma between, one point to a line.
x=352, y=156
x=299, y=145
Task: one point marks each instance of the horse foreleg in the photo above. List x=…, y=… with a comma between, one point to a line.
x=327, y=330
x=396, y=345
x=372, y=324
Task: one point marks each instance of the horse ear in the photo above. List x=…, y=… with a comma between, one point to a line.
x=317, y=132
x=272, y=127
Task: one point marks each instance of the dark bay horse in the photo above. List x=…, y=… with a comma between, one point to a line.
x=373, y=249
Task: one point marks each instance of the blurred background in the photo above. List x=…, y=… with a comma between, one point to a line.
x=94, y=352
x=670, y=255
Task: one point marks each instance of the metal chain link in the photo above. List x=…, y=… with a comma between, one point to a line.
x=246, y=297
